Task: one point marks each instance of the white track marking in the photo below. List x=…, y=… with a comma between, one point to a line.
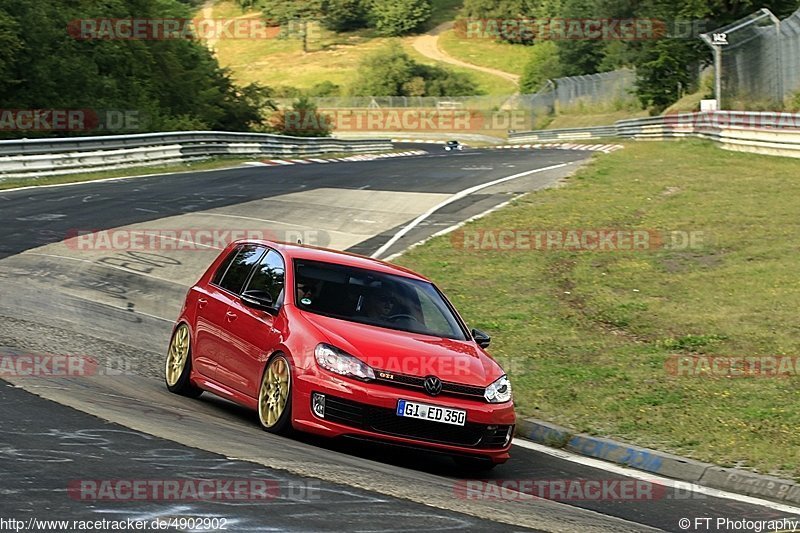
x=452, y=228
x=459, y=195
x=646, y=476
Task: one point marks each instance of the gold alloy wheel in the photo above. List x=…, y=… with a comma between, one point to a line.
x=177, y=355
x=274, y=392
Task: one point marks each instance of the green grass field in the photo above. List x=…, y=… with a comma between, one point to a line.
x=331, y=57
x=586, y=335
x=486, y=52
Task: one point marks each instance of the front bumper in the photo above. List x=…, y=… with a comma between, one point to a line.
x=367, y=410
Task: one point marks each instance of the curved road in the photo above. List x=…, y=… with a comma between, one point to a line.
x=117, y=306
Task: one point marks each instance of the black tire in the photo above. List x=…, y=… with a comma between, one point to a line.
x=283, y=424
x=180, y=342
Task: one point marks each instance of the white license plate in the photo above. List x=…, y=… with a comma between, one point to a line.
x=434, y=413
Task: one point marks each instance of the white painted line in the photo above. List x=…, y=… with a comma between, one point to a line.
x=466, y=192
x=452, y=228
x=646, y=476
x=318, y=160
x=300, y=161
x=257, y=164
x=281, y=162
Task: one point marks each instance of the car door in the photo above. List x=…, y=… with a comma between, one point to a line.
x=255, y=333
x=213, y=338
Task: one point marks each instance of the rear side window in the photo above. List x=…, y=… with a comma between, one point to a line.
x=234, y=271
x=269, y=276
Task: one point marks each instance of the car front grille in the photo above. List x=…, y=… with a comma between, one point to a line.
x=385, y=421
x=414, y=382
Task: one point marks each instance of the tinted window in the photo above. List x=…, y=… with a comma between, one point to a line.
x=374, y=298
x=240, y=268
x=269, y=276
x=223, y=267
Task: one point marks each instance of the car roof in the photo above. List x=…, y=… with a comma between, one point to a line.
x=325, y=255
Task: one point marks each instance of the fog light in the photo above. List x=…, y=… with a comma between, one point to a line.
x=318, y=404
x=509, y=434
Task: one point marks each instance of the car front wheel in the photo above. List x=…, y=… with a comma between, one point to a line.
x=275, y=396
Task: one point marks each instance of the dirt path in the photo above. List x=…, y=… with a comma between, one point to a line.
x=428, y=45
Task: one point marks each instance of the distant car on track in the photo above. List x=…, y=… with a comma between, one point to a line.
x=453, y=145
x=337, y=344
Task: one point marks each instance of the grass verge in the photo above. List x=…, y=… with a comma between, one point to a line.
x=507, y=57
x=586, y=336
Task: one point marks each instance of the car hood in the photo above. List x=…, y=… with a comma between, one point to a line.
x=412, y=354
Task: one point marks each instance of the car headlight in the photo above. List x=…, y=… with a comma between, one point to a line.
x=339, y=362
x=499, y=391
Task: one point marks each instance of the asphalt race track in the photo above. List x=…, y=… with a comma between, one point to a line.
x=59, y=297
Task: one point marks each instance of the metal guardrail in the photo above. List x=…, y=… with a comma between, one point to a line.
x=50, y=157
x=565, y=134
x=744, y=131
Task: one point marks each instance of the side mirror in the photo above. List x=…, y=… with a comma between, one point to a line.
x=481, y=338
x=260, y=300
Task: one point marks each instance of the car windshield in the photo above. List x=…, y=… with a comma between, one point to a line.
x=374, y=298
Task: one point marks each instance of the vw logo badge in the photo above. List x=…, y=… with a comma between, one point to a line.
x=433, y=385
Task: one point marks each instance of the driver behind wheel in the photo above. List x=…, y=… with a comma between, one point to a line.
x=381, y=305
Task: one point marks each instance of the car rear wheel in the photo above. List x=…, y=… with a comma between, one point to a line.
x=275, y=396
x=179, y=364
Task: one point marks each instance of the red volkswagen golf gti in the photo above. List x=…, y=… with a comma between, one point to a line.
x=337, y=344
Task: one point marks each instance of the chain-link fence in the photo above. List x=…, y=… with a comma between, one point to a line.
x=759, y=60
x=606, y=88
x=595, y=89
x=790, y=53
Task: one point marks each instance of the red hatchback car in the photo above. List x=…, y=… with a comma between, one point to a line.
x=337, y=344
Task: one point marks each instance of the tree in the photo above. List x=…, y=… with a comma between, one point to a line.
x=293, y=16
x=169, y=83
x=303, y=120
x=397, y=17
x=384, y=72
x=344, y=15
x=543, y=64
x=391, y=72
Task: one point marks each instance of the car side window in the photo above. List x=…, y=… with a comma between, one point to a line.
x=223, y=267
x=269, y=276
x=240, y=267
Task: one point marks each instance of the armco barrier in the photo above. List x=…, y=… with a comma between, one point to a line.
x=50, y=157
x=775, y=134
